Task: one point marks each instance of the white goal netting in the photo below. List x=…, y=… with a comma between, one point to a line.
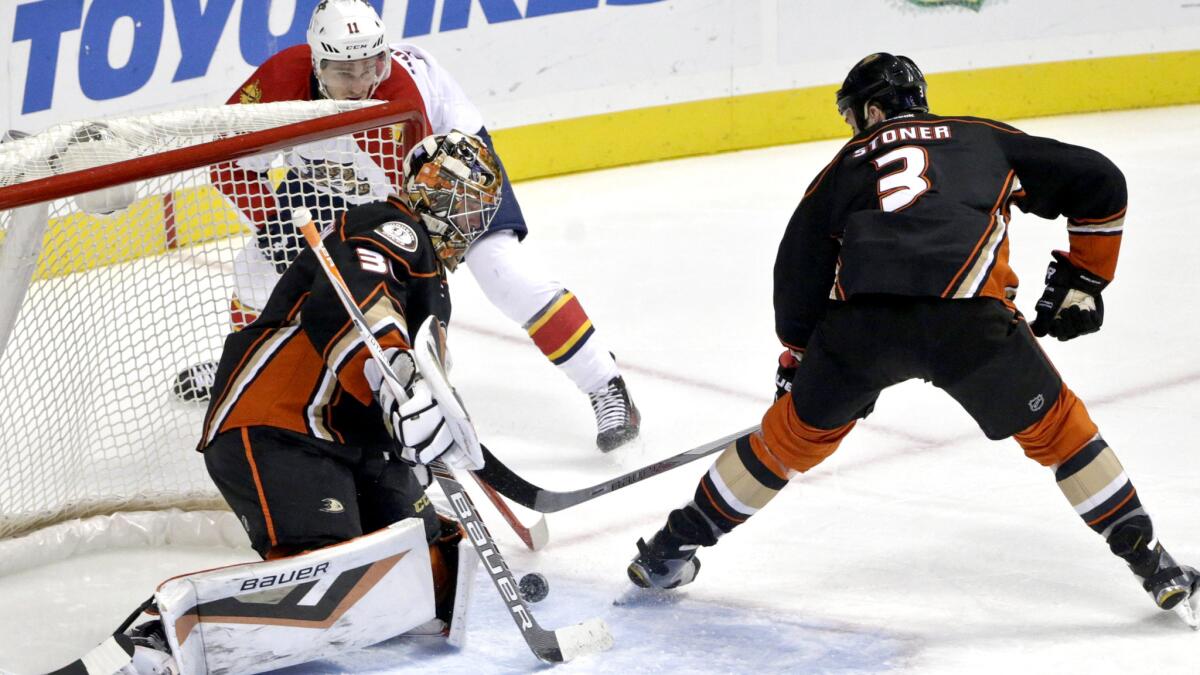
x=109, y=294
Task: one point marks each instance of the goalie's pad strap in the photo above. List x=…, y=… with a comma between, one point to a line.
x=263, y=616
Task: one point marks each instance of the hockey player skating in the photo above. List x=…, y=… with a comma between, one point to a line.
x=319, y=460
x=346, y=57
x=895, y=266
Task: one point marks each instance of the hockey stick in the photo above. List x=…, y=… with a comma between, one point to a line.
x=551, y=646
x=535, y=537
x=112, y=654
x=521, y=491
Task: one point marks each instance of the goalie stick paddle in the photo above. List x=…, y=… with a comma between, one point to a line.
x=551, y=646
x=505, y=481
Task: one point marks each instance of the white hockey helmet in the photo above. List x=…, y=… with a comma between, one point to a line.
x=454, y=183
x=349, y=53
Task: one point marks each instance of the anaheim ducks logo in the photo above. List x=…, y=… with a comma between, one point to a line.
x=251, y=93
x=399, y=234
x=331, y=505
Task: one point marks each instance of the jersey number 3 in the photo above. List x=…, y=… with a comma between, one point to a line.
x=900, y=188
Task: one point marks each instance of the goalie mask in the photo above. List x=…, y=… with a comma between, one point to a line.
x=350, y=58
x=453, y=182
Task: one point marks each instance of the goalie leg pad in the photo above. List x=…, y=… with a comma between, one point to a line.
x=263, y=616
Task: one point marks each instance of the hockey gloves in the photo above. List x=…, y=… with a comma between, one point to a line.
x=279, y=241
x=789, y=361
x=1071, y=305
x=413, y=418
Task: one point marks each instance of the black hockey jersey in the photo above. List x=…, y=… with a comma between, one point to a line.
x=919, y=206
x=299, y=366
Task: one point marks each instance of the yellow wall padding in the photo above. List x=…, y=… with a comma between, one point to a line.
x=799, y=115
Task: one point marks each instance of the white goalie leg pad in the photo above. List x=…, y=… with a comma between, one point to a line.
x=464, y=581
x=256, y=617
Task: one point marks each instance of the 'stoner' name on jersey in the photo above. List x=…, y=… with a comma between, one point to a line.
x=913, y=133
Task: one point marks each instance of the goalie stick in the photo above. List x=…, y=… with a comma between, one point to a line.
x=551, y=646
x=505, y=481
x=534, y=537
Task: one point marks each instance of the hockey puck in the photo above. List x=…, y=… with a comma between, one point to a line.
x=534, y=587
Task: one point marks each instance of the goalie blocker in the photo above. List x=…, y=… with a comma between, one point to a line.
x=263, y=616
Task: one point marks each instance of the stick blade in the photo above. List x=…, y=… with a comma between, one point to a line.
x=539, y=534
x=590, y=637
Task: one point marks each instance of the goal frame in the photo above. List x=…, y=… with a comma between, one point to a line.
x=28, y=202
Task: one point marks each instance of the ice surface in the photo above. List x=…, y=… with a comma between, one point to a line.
x=920, y=547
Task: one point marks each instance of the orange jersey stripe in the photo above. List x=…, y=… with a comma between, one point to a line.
x=1004, y=189
x=1095, y=253
x=1106, y=219
x=262, y=496
x=279, y=395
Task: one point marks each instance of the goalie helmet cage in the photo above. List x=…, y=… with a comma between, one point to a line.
x=123, y=243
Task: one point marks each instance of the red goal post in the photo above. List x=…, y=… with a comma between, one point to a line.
x=226, y=149
x=126, y=246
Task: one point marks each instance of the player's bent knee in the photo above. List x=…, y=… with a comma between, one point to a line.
x=797, y=445
x=1061, y=432
x=243, y=618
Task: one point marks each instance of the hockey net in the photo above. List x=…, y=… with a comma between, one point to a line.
x=127, y=247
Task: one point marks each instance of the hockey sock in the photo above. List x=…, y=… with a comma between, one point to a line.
x=742, y=480
x=563, y=332
x=240, y=314
x=1097, y=487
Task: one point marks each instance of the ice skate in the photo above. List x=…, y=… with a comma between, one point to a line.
x=617, y=418
x=666, y=562
x=1170, y=585
x=195, y=383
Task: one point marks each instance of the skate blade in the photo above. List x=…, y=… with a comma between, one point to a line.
x=636, y=596
x=1187, y=611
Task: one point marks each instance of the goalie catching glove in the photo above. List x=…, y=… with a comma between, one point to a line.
x=1071, y=305
x=413, y=418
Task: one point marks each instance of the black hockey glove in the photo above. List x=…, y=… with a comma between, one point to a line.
x=1071, y=305
x=789, y=361
x=279, y=241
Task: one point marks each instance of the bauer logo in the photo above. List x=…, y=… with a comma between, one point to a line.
x=287, y=577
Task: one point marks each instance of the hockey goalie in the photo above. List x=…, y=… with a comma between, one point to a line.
x=322, y=459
